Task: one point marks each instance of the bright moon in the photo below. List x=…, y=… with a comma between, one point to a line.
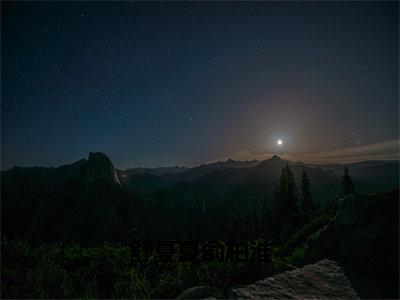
x=279, y=142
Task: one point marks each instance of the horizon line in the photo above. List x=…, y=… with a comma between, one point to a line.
x=283, y=157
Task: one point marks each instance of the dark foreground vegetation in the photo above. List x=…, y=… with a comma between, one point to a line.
x=70, y=270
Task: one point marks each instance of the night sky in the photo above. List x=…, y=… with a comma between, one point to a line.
x=159, y=84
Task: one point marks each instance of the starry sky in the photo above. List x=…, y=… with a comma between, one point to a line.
x=183, y=83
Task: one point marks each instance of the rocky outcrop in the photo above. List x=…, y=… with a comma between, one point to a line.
x=322, y=280
x=364, y=234
x=72, y=202
x=200, y=292
x=99, y=166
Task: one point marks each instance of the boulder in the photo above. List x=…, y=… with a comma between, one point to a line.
x=200, y=292
x=324, y=279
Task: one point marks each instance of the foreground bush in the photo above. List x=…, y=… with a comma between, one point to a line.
x=73, y=271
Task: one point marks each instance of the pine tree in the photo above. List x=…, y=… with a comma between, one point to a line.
x=126, y=229
x=249, y=227
x=256, y=228
x=240, y=232
x=268, y=218
x=264, y=217
x=306, y=205
x=235, y=230
x=347, y=183
x=286, y=196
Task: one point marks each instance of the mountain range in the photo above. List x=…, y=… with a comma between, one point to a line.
x=80, y=201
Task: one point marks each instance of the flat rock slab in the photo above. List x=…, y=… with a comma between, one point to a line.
x=200, y=292
x=324, y=279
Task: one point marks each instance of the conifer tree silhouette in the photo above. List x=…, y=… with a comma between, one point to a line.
x=306, y=205
x=347, y=183
x=286, y=195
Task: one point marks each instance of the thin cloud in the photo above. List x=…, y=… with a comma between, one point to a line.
x=382, y=150
x=379, y=151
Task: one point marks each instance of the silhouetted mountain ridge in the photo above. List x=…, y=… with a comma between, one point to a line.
x=79, y=201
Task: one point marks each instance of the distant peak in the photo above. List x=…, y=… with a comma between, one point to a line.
x=100, y=166
x=94, y=156
x=275, y=157
x=274, y=160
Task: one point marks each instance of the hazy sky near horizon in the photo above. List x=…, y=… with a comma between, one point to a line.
x=166, y=83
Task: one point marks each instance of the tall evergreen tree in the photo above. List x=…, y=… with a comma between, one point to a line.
x=126, y=228
x=249, y=227
x=235, y=230
x=264, y=217
x=240, y=233
x=347, y=183
x=306, y=205
x=256, y=228
x=286, y=195
x=268, y=218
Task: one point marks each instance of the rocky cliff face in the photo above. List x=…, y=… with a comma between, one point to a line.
x=322, y=280
x=71, y=202
x=364, y=235
x=99, y=166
